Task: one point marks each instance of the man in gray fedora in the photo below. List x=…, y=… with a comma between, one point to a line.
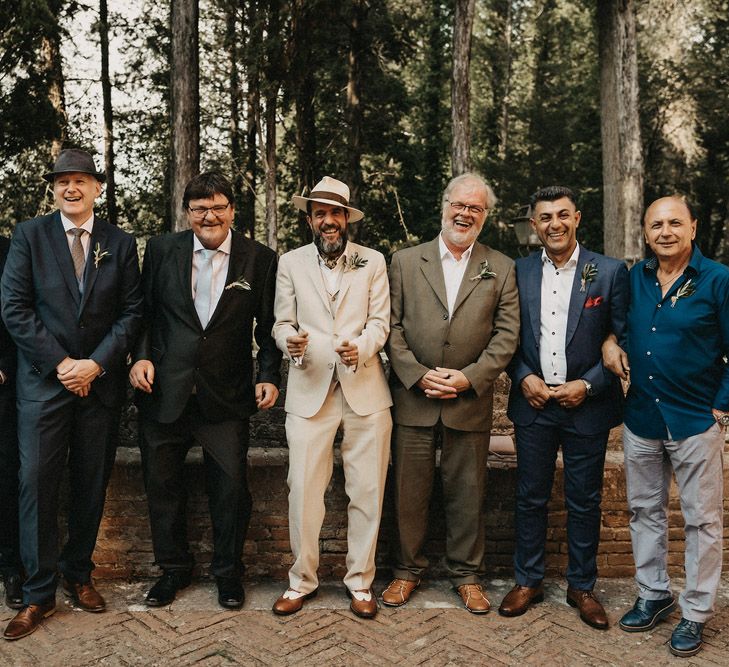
x=72, y=303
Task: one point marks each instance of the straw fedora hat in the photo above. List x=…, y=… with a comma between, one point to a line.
x=329, y=191
x=74, y=160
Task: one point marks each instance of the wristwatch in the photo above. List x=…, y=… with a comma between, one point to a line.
x=588, y=387
x=723, y=420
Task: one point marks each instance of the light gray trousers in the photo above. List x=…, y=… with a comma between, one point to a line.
x=697, y=462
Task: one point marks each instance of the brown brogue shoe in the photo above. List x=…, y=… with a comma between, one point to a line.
x=518, y=599
x=290, y=605
x=366, y=608
x=28, y=620
x=591, y=611
x=399, y=592
x=84, y=596
x=474, y=598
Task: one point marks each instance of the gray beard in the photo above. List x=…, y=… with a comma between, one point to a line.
x=331, y=250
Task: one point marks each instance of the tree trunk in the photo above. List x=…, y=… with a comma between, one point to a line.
x=353, y=112
x=111, y=211
x=53, y=67
x=461, y=86
x=184, y=104
x=232, y=37
x=622, y=156
x=504, y=87
x=271, y=208
x=253, y=114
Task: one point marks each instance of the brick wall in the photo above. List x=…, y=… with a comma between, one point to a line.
x=124, y=547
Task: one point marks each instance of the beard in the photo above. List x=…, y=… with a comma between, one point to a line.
x=333, y=249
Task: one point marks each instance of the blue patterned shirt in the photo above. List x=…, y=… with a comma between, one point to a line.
x=676, y=347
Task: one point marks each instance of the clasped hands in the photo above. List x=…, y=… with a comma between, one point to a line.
x=141, y=376
x=76, y=375
x=443, y=383
x=537, y=393
x=296, y=347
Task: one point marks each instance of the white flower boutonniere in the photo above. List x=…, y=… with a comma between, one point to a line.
x=686, y=290
x=355, y=262
x=589, y=273
x=99, y=254
x=485, y=272
x=241, y=283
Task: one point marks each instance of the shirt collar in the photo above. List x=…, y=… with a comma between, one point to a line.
x=223, y=247
x=693, y=268
x=340, y=260
x=569, y=264
x=88, y=226
x=444, y=252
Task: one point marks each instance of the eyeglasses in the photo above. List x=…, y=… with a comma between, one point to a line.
x=202, y=211
x=471, y=208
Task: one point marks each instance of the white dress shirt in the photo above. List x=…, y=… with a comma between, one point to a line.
x=88, y=226
x=221, y=260
x=556, y=291
x=453, y=270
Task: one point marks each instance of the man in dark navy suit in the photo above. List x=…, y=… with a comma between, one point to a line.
x=203, y=290
x=9, y=463
x=571, y=299
x=71, y=301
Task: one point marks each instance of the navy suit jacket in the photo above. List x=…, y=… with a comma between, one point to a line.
x=588, y=324
x=217, y=359
x=49, y=319
x=8, y=353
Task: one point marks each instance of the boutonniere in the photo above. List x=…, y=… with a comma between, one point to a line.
x=241, y=283
x=485, y=272
x=589, y=273
x=687, y=289
x=592, y=302
x=355, y=262
x=99, y=254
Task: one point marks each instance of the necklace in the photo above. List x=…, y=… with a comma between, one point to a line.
x=675, y=275
x=668, y=282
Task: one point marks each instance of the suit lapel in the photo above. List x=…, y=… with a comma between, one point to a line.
x=184, y=273
x=577, y=298
x=432, y=269
x=311, y=267
x=533, y=287
x=91, y=271
x=240, y=256
x=478, y=255
x=347, y=276
x=59, y=245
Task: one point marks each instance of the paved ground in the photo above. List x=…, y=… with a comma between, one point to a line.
x=431, y=630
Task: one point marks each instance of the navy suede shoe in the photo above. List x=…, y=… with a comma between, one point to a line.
x=646, y=613
x=686, y=638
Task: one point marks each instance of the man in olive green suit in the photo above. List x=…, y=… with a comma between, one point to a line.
x=454, y=328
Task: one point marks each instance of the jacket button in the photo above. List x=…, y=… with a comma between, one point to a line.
x=331, y=365
x=445, y=316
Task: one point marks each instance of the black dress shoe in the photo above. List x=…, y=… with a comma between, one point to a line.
x=646, y=613
x=165, y=590
x=230, y=592
x=13, y=590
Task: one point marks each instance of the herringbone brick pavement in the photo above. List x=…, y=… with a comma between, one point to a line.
x=431, y=630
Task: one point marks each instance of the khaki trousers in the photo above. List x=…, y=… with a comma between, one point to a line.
x=365, y=452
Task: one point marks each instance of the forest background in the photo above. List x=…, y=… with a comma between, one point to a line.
x=623, y=101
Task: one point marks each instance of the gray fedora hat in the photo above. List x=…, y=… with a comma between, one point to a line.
x=74, y=159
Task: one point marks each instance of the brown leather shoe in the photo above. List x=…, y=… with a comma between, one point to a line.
x=285, y=606
x=474, y=598
x=84, y=596
x=363, y=608
x=28, y=620
x=399, y=592
x=591, y=611
x=518, y=599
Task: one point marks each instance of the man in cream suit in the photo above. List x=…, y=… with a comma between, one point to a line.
x=455, y=326
x=332, y=319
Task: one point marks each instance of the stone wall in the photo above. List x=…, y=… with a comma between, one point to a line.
x=124, y=547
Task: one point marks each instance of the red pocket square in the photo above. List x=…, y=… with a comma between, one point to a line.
x=591, y=302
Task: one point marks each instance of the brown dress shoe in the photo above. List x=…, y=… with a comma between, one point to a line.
x=399, y=592
x=474, y=598
x=591, y=611
x=286, y=605
x=28, y=619
x=518, y=599
x=84, y=596
x=363, y=608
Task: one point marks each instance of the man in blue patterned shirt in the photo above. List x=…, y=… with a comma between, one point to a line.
x=676, y=414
